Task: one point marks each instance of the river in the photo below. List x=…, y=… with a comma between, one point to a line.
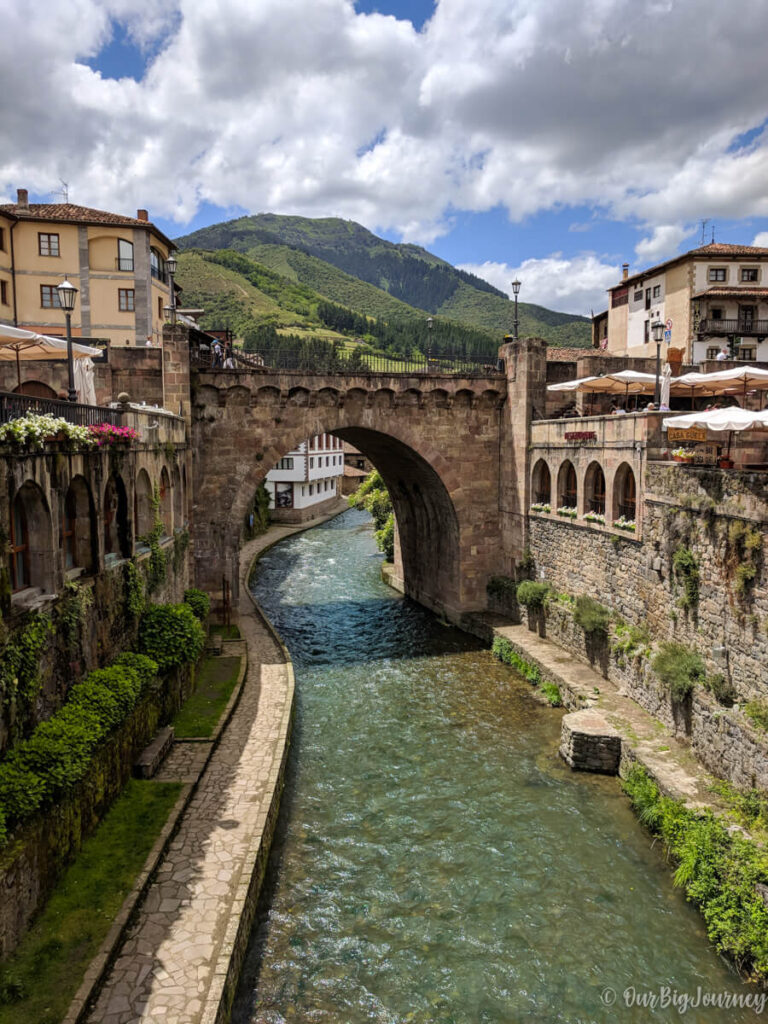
x=435, y=860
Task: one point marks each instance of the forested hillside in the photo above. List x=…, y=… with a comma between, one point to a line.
x=346, y=263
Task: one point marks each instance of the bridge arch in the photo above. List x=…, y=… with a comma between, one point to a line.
x=438, y=455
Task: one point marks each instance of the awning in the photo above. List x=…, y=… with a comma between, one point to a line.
x=737, y=380
x=625, y=382
x=734, y=418
x=18, y=345
x=570, y=385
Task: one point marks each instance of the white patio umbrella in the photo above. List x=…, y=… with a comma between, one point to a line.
x=19, y=345
x=666, y=378
x=737, y=380
x=720, y=420
x=570, y=385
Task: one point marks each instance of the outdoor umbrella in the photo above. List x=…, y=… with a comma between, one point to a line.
x=722, y=382
x=28, y=346
x=733, y=419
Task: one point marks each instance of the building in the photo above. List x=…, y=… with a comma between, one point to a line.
x=117, y=263
x=306, y=482
x=712, y=297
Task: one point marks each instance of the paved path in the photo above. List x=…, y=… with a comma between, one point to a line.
x=172, y=967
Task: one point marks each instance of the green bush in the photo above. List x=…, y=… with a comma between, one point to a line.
x=59, y=752
x=679, y=669
x=721, y=689
x=385, y=538
x=757, y=712
x=592, y=616
x=552, y=692
x=686, y=570
x=718, y=871
x=501, y=586
x=504, y=651
x=631, y=642
x=199, y=602
x=171, y=635
x=532, y=595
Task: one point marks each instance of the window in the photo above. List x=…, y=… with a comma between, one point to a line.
x=713, y=353
x=311, y=463
x=311, y=490
x=47, y=244
x=542, y=483
x=160, y=310
x=717, y=273
x=748, y=352
x=156, y=264
x=2, y=239
x=327, y=460
x=625, y=494
x=647, y=331
x=283, y=495
x=49, y=296
x=596, y=489
x=4, y=293
x=568, y=485
x=124, y=254
x=125, y=300
x=657, y=291
x=638, y=295
x=716, y=313
x=285, y=464
x=619, y=297
x=749, y=273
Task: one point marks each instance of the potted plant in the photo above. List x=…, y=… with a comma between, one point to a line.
x=682, y=455
x=724, y=462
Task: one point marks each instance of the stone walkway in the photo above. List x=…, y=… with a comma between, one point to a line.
x=174, y=966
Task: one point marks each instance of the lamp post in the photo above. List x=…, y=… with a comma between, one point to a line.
x=67, y=296
x=516, y=322
x=430, y=325
x=170, y=265
x=657, y=330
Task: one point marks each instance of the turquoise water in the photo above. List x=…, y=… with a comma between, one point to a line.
x=435, y=860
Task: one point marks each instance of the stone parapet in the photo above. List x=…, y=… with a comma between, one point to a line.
x=588, y=743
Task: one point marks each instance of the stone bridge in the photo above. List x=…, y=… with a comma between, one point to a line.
x=452, y=451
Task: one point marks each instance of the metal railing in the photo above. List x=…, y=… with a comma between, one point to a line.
x=13, y=407
x=347, y=363
x=748, y=327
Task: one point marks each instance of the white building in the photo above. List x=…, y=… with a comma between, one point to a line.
x=306, y=482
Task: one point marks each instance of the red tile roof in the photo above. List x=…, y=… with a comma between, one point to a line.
x=69, y=213
x=723, y=249
x=724, y=292
x=567, y=355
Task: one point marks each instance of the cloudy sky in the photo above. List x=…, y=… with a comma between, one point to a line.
x=549, y=139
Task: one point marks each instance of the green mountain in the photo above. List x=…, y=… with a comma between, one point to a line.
x=328, y=255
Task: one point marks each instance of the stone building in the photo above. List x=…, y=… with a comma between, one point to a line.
x=306, y=481
x=710, y=298
x=117, y=263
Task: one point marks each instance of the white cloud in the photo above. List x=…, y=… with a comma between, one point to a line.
x=575, y=285
x=663, y=243
x=761, y=240
x=310, y=107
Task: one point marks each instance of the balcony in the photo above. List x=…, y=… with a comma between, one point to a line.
x=748, y=328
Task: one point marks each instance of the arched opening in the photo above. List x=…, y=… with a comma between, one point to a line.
x=31, y=542
x=594, y=489
x=142, y=504
x=117, y=538
x=541, y=484
x=567, y=488
x=625, y=493
x=34, y=389
x=178, y=500
x=165, y=509
x=77, y=527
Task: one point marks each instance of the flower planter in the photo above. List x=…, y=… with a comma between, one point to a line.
x=725, y=463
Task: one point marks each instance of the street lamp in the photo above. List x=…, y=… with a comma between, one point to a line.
x=430, y=325
x=67, y=296
x=516, y=322
x=657, y=330
x=171, y=265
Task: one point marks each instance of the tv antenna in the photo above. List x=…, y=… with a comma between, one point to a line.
x=704, y=231
x=63, y=192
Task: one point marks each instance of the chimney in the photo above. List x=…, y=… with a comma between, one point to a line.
x=142, y=215
x=624, y=271
x=22, y=198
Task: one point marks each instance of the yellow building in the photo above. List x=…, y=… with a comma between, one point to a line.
x=117, y=264
x=709, y=299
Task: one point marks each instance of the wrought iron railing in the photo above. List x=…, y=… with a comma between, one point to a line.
x=348, y=363
x=748, y=327
x=13, y=406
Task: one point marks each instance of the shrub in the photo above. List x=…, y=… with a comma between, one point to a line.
x=501, y=586
x=631, y=642
x=718, y=871
x=532, y=595
x=199, y=602
x=721, y=689
x=679, y=668
x=592, y=616
x=171, y=635
x=552, y=692
x=99, y=700
x=757, y=712
x=146, y=668
x=505, y=652
x=385, y=538
x=686, y=570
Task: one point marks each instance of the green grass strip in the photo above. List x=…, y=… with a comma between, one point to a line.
x=39, y=981
x=215, y=679
x=505, y=652
x=227, y=632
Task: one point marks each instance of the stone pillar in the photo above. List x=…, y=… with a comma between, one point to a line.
x=525, y=364
x=176, y=385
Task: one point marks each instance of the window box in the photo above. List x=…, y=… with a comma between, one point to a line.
x=541, y=506
x=567, y=512
x=595, y=517
x=622, y=523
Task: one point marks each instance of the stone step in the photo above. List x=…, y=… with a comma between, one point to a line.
x=589, y=744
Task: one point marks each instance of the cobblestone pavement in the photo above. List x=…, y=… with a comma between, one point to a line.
x=168, y=970
x=184, y=761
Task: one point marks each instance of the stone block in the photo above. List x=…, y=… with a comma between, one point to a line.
x=588, y=743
